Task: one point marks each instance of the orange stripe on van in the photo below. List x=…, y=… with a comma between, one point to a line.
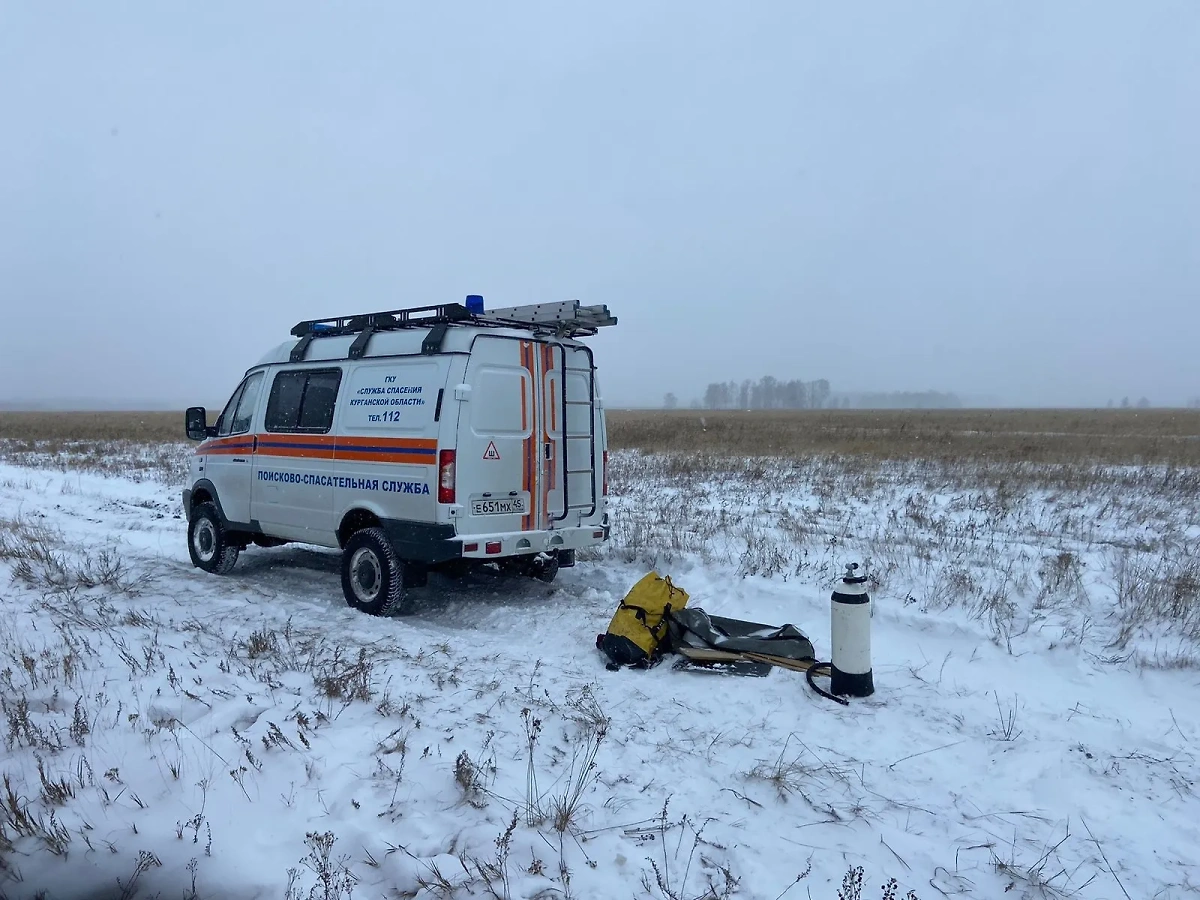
x=415, y=451
x=547, y=368
x=410, y=451
x=527, y=478
x=238, y=443
x=292, y=437
x=524, y=411
x=296, y=452
x=399, y=443
x=406, y=458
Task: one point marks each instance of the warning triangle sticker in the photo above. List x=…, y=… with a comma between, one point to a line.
x=491, y=452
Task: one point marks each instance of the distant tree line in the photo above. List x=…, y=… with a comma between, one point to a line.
x=774, y=393
x=771, y=393
x=767, y=393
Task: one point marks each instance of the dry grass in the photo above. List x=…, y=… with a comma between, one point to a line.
x=1105, y=436
x=1156, y=436
x=142, y=427
x=1114, y=437
x=1103, y=552
x=134, y=445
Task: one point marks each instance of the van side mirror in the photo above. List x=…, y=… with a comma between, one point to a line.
x=196, y=423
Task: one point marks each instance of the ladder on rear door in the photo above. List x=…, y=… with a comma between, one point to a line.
x=579, y=450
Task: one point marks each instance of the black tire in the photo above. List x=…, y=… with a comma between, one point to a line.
x=545, y=569
x=209, y=542
x=456, y=569
x=542, y=566
x=372, y=575
x=416, y=575
x=515, y=566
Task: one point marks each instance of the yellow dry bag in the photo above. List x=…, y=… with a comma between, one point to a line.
x=640, y=623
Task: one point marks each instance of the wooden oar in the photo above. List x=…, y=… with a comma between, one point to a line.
x=796, y=665
x=705, y=654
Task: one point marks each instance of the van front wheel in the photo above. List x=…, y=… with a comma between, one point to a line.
x=372, y=574
x=208, y=541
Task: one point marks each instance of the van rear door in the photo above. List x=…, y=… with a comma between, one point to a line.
x=498, y=474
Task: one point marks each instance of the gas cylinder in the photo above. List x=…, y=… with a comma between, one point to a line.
x=850, y=636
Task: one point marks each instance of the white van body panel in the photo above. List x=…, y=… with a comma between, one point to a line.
x=388, y=438
x=334, y=441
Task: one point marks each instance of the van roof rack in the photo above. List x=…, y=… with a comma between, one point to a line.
x=566, y=318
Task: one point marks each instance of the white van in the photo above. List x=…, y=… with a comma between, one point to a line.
x=434, y=437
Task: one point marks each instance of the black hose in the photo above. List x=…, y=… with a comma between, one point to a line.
x=813, y=670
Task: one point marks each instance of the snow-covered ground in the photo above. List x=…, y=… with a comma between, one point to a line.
x=1034, y=732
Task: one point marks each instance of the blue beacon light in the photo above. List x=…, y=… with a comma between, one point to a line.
x=475, y=304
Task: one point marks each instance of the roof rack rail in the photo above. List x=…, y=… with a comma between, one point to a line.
x=413, y=317
x=566, y=318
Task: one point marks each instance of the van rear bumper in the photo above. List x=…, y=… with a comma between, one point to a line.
x=422, y=542
x=518, y=543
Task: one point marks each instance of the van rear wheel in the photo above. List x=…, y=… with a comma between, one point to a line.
x=372, y=575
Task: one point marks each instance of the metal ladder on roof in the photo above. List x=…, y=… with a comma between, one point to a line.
x=566, y=318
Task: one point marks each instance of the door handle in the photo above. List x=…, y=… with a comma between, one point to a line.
x=239, y=459
x=546, y=450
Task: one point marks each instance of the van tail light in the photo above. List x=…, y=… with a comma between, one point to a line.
x=446, y=476
x=605, y=473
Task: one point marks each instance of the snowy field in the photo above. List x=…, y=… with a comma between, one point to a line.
x=1034, y=733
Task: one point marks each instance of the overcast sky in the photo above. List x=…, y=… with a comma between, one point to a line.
x=991, y=198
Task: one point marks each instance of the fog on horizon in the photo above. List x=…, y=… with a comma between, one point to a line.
x=1000, y=200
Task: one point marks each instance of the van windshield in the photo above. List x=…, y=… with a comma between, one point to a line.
x=226, y=420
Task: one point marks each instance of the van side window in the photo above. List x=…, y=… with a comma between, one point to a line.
x=303, y=401
x=316, y=412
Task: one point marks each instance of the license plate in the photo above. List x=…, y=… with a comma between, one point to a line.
x=509, y=506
